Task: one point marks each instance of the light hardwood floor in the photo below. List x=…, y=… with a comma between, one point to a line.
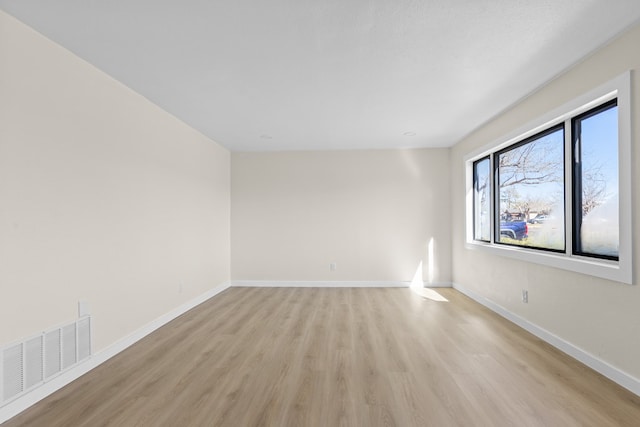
x=338, y=357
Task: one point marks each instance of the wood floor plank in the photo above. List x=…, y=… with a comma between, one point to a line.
x=338, y=357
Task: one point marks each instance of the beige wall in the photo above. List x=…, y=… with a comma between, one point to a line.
x=599, y=316
x=104, y=197
x=371, y=212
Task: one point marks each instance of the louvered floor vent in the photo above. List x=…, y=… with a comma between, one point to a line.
x=28, y=364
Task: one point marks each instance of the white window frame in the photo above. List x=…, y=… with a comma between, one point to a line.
x=619, y=271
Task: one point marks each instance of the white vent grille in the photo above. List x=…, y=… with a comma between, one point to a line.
x=13, y=373
x=84, y=338
x=68, y=346
x=28, y=364
x=33, y=368
x=52, y=353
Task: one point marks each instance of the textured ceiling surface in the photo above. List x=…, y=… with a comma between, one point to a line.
x=332, y=74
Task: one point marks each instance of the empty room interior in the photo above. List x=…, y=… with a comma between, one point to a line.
x=299, y=213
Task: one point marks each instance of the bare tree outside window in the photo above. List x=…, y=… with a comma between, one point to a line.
x=531, y=185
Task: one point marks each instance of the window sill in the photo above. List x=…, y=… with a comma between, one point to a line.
x=610, y=270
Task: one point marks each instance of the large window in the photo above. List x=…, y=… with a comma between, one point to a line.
x=560, y=193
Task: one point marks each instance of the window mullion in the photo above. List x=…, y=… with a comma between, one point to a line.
x=495, y=200
x=492, y=202
x=568, y=186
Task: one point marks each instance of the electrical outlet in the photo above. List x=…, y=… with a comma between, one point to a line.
x=525, y=296
x=333, y=266
x=180, y=287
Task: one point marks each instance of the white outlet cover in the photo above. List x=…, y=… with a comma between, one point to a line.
x=83, y=308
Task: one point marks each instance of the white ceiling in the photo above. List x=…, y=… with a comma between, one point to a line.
x=331, y=74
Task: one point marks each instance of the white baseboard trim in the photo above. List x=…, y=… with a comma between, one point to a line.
x=614, y=374
x=329, y=284
x=14, y=407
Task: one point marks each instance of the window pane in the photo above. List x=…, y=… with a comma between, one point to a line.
x=481, y=200
x=531, y=200
x=596, y=172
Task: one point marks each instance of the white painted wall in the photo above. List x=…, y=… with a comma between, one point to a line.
x=373, y=213
x=596, y=315
x=103, y=197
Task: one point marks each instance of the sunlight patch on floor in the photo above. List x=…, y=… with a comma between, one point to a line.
x=417, y=287
x=430, y=294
